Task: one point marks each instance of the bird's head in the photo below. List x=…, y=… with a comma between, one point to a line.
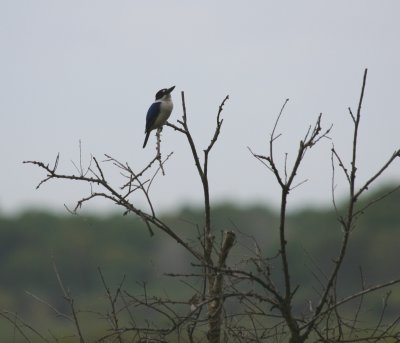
x=164, y=94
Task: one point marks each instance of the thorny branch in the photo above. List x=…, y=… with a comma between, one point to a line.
x=96, y=176
x=264, y=309
x=113, y=193
x=312, y=137
x=326, y=306
x=208, y=243
x=71, y=302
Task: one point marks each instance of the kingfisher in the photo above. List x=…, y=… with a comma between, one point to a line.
x=159, y=111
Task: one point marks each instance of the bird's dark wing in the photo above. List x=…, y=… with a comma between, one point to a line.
x=152, y=114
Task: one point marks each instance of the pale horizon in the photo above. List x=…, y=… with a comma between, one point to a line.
x=87, y=71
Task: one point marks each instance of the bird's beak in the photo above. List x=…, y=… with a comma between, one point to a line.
x=169, y=90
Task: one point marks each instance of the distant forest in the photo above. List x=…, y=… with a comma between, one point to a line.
x=121, y=246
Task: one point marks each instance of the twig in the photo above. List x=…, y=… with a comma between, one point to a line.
x=70, y=301
x=158, y=147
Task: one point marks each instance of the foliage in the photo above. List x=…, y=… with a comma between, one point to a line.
x=120, y=245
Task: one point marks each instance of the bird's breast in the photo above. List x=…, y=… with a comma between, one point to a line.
x=165, y=111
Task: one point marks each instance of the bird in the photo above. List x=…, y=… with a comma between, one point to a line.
x=159, y=111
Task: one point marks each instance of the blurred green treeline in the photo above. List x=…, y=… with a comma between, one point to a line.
x=121, y=246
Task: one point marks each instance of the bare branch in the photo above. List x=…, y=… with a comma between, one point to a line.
x=395, y=155
x=349, y=298
x=18, y=323
x=70, y=301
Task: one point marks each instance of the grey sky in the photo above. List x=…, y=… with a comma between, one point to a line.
x=88, y=70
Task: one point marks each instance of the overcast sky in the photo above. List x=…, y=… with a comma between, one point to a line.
x=88, y=70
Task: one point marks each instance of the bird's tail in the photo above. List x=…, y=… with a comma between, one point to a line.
x=146, y=139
